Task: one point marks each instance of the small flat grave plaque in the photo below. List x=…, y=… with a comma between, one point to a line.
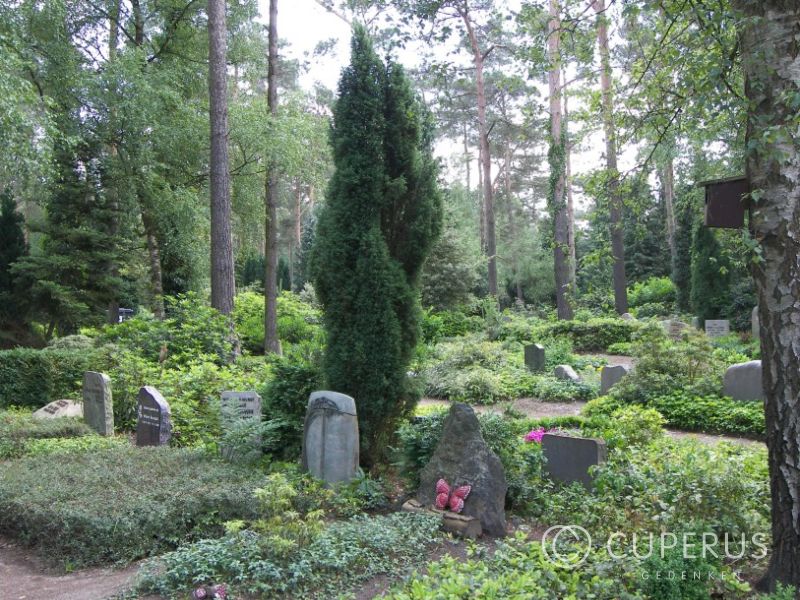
x=153, y=425
x=60, y=408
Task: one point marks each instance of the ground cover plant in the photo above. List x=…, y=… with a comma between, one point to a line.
x=19, y=429
x=120, y=503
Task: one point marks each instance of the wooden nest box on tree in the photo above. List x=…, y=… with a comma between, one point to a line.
x=726, y=202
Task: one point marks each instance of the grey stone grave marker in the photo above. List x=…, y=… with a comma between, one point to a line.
x=610, y=375
x=570, y=458
x=674, y=328
x=330, y=437
x=534, y=357
x=60, y=408
x=567, y=373
x=98, y=408
x=743, y=381
x=153, y=425
x=717, y=328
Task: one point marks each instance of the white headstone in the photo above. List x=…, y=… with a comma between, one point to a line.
x=717, y=328
x=60, y=408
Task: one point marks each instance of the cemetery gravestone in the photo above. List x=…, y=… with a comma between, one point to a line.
x=674, y=328
x=567, y=373
x=330, y=437
x=570, y=458
x=238, y=408
x=98, y=409
x=627, y=317
x=60, y=408
x=717, y=328
x=743, y=381
x=610, y=375
x=463, y=457
x=534, y=357
x=153, y=425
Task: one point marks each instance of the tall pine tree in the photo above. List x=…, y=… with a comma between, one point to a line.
x=12, y=248
x=383, y=214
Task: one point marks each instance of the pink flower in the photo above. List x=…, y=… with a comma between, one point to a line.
x=536, y=435
x=200, y=594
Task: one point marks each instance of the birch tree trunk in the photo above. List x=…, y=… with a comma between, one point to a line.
x=271, y=342
x=557, y=168
x=222, y=278
x=615, y=200
x=771, y=60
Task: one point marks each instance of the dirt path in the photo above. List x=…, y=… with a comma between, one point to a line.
x=26, y=577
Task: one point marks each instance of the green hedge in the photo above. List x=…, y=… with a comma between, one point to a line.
x=34, y=378
x=121, y=503
x=594, y=335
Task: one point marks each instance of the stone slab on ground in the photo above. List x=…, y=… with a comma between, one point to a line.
x=60, y=408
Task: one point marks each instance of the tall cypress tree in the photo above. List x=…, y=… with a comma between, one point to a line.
x=382, y=216
x=710, y=276
x=12, y=248
x=682, y=263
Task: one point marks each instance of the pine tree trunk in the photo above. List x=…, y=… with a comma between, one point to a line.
x=113, y=196
x=154, y=254
x=486, y=159
x=222, y=275
x=512, y=224
x=573, y=263
x=615, y=199
x=558, y=200
x=271, y=342
x=467, y=160
x=772, y=79
x=668, y=182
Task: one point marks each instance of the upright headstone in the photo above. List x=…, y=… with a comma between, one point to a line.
x=674, y=328
x=567, y=373
x=463, y=457
x=534, y=357
x=98, y=407
x=570, y=458
x=153, y=425
x=60, y=408
x=241, y=408
x=330, y=437
x=610, y=375
x=743, y=381
x=717, y=328
x=755, y=323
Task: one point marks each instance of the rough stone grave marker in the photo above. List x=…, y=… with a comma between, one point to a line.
x=610, y=376
x=237, y=408
x=153, y=425
x=462, y=457
x=330, y=437
x=60, y=408
x=717, y=328
x=674, y=328
x=567, y=373
x=743, y=381
x=570, y=458
x=534, y=357
x=98, y=408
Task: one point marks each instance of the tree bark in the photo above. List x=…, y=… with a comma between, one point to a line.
x=573, y=263
x=113, y=196
x=772, y=79
x=467, y=160
x=615, y=199
x=512, y=225
x=154, y=254
x=222, y=274
x=557, y=166
x=478, y=58
x=668, y=183
x=271, y=342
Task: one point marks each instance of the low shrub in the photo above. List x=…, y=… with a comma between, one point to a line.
x=712, y=414
x=621, y=348
x=594, y=335
x=120, y=503
x=19, y=428
x=654, y=290
x=448, y=323
x=296, y=320
x=321, y=564
x=33, y=378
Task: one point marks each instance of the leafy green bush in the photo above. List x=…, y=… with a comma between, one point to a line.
x=330, y=562
x=621, y=348
x=653, y=309
x=658, y=290
x=34, y=378
x=18, y=428
x=712, y=414
x=594, y=335
x=297, y=320
x=448, y=323
x=121, y=503
x=628, y=426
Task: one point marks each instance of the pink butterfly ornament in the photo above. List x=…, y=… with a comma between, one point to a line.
x=452, y=499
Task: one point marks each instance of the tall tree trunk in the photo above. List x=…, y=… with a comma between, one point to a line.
x=558, y=175
x=615, y=199
x=482, y=204
x=512, y=224
x=271, y=342
x=772, y=80
x=113, y=196
x=467, y=160
x=222, y=276
x=154, y=254
x=478, y=58
x=668, y=183
x=573, y=263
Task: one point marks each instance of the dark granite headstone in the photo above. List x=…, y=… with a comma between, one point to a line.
x=569, y=458
x=153, y=425
x=610, y=375
x=534, y=358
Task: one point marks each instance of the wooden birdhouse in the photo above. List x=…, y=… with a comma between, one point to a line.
x=726, y=202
